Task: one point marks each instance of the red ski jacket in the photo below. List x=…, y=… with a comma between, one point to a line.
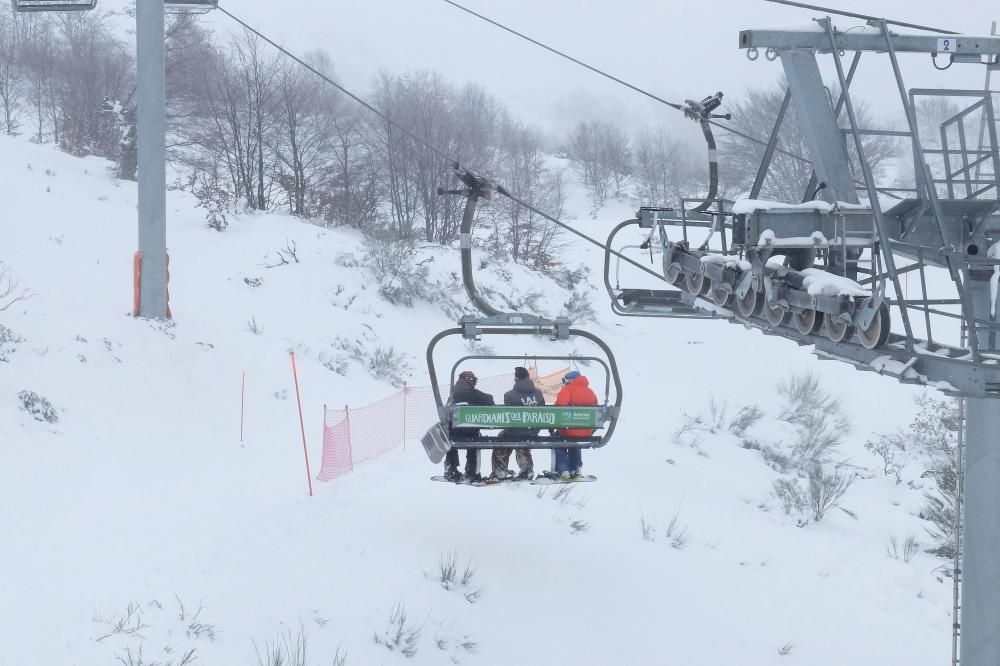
x=577, y=394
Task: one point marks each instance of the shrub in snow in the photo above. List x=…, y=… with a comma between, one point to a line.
x=39, y=408
x=826, y=491
x=677, y=533
x=792, y=497
x=905, y=551
x=10, y=290
x=569, y=279
x=818, y=418
x=338, y=364
x=939, y=509
x=8, y=339
x=347, y=260
x=453, y=577
x=890, y=448
x=388, y=364
x=400, y=634
x=579, y=308
x=287, y=649
x=929, y=442
x=746, y=418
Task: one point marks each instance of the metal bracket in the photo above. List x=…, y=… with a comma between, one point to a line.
x=863, y=316
x=744, y=286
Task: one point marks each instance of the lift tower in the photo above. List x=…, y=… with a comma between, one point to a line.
x=151, y=132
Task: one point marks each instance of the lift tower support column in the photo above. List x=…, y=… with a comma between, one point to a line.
x=151, y=130
x=980, y=616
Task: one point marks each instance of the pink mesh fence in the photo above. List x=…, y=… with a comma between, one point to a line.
x=353, y=436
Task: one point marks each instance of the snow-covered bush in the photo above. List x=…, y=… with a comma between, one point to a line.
x=939, y=509
x=905, y=551
x=579, y=308
x=747, y=417
x=453, y=577
x=891, y=448
x=792, y=497
x=287, y=649
x=39, y=408
x=826, y=491
x=11, y=291
x=389, y=364
x=818, y=418
x=8, y=340
x=568, y=278
x=400, y=634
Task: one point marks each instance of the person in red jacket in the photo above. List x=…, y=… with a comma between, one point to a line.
x=576, y=391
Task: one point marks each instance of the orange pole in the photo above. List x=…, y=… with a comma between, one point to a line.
x=302, y=424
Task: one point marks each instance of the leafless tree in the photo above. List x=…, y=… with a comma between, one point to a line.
x=788, y=177
x=586, y=151
x=665, y=169
x=11, y=75
x=515, y=231
x=305, y=127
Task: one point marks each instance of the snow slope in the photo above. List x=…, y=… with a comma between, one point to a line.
x=143, y=494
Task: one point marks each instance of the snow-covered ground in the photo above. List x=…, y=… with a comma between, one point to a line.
x=142, y=497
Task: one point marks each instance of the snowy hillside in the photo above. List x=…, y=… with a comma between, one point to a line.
x=139, y=521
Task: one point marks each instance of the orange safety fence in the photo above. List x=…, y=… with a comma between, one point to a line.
x=352, y=436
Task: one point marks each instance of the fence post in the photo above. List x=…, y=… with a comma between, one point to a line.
x=302, y=424
x=243, y=392
x=350, y=445
x=404, y=415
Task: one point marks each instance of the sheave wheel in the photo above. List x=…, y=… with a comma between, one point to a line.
x=777, y=316
x=807, y=322
x=698, y=283
x=752, y=303
x=722, y=297
x=877, y=333
x=837, y=329
x=674, y=274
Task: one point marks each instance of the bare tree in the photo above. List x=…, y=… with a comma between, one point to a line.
x=586, y=151
x=664, y=168
x=305, y=123
x=616, y=148
x=516, y=231
x=351, y=191
x=788, y=177
x=11, y=75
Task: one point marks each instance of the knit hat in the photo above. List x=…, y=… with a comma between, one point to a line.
x=467, y=375
x=520, y=373
x=571, y=375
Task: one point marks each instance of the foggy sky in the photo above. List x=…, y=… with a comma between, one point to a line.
x=674, y=49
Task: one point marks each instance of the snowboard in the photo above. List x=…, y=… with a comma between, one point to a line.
x=550, y=480
x=484, y=482
x=458, y=483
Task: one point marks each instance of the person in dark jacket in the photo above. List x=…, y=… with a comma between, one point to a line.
x=524, y=394
x=576, y=391
x=465, y=393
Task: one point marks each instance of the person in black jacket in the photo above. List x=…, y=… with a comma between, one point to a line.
x=524, y=394
x=465, y=393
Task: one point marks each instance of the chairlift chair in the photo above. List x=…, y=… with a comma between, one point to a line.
x=503, y=420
